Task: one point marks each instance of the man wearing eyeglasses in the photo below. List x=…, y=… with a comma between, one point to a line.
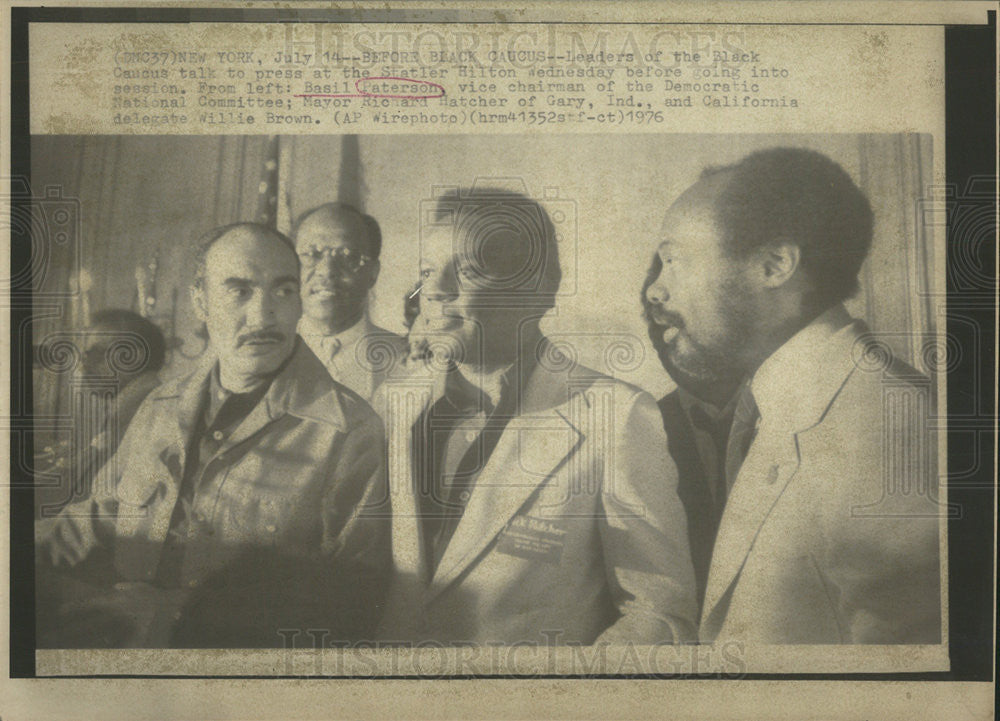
x=339, y=248
x=127, y=351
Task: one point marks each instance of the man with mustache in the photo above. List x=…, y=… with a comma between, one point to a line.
x=258, y=461
x=339, y=249
x=535, y=502
x=830, y=532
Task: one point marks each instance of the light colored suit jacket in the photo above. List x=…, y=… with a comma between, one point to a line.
x=831, y=531
x=366, y=356
x=573, y=529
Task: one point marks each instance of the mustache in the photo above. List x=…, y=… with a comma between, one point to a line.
x=260, y=336
x=662, y=317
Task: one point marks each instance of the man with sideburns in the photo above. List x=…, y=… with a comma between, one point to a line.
x=829, y=528
x=245, y=497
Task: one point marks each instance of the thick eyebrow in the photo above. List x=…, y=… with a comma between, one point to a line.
x=286, y=279
x=237, y=281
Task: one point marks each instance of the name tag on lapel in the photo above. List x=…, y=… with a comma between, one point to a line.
x=536, y=539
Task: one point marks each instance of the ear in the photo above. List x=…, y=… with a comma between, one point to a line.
x=198, y=301
x=373, y=273
x=778, y=262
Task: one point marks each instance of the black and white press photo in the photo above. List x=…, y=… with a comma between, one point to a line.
x=509, y=361
x=565, y=393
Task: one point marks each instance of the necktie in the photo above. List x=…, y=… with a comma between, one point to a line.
x=714, y=467
x=741, y=435
x=714, y=427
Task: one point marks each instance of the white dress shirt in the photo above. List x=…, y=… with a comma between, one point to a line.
x=358, y=357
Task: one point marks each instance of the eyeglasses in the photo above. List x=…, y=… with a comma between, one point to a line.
x=343, y=256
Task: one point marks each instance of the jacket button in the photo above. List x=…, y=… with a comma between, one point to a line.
x=218, y=435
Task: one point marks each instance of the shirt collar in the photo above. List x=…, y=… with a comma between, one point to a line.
x=468, y=394
x=310, y=329
x=500, y=390
x=305, y=389
x=217, y=395
x=494, y=386
x=462, y=394
x=689, y=402
x=796, y=383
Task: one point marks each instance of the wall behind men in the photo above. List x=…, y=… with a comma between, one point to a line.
x=145, y=198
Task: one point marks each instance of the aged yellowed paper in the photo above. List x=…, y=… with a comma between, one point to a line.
x=440, y=342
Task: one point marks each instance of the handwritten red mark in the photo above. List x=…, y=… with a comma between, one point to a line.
x=362, y=93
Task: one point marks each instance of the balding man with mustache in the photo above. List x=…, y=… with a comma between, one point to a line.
x=244, y=500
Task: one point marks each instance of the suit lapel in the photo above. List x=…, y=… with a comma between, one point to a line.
x=538, y=440
x=763, y=477
x=401, y=403
x=536, y=445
